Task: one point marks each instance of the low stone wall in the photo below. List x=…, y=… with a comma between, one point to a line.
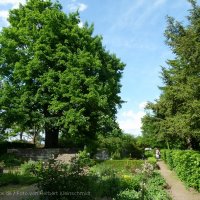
x=41, y=154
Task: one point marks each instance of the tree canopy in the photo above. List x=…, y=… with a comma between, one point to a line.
x=56, y=75
x=174, y=118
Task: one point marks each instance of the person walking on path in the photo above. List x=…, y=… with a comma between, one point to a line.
x=157, y=154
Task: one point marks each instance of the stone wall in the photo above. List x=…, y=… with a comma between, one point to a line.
x=41, y=154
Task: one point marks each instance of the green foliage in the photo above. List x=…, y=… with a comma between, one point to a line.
x=131, y=182
x=124, y=166
x=128, y=195
x=2, y=164
x=186, y=164
x=64, y=180
x=101, y=181
x=115, y=176
x=152, y=161
x=57, y=76
x=83, y=158
x=121, y=146
x=29, y=168
x=156, y=189
x=173, y=120
x=110, y=185
x=149, y=153
x=14, y=178
x=4, y=145
x=11, y=160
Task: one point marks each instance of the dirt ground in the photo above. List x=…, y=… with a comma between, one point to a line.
x=177, y=189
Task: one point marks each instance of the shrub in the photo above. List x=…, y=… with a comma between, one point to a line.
x=155, y=188
x=30, y=167
x=101, y=181
x=116, y=155
x=131, y=182
x=84, y=159
x=15, y=144
x=129, y=195
x=11, y=160
x=186, y=164
x=14, y=178
x=110, y=186
x=152, y=161
x=123, y=146
x=65, y=181
x=125, y=166
x=2, y=164
x=149, y=153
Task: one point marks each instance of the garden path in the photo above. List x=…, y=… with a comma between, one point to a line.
x=177, y=189
x=16, y=192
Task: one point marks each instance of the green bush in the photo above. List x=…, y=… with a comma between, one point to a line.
x=125, y=166
x=14, y=178
x=100, y=182
x=66, y=181
x=129, y=195
x=84, y=159
x=2, y=164
x=109, y=186
x=11, y=160
x=123, y=146
x=152, y=161
x=30, y=167
x=155, y=188
x=15, y=144
x=186, y=164
x=149, y=153
x=116, y=155
x=131, y=182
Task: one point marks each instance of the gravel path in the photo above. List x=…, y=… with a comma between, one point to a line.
x=65, y=158
x=177, y=189
x=19, y=193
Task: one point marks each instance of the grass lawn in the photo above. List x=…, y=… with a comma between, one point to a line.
x=16, y=179
x=124, y=166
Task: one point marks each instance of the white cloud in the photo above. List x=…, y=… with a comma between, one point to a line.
x=82, y=7
x=159, y=2
x=74, y=6
x=4, y=14
x=3, y=18
x=130, y=121
x=13, y=3
x=81, y=24
x=142, y=105
x=136, y=19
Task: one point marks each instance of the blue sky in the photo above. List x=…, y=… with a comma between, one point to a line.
x=134, y=31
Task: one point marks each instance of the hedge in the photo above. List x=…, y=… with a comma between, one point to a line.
x=4, y=145
x=186, y=164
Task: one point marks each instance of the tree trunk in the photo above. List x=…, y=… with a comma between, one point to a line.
x=51, y=137
x=34, y=138
x=21, y=136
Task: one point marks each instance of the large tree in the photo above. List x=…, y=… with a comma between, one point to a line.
x=55, y=74
x=176, y=113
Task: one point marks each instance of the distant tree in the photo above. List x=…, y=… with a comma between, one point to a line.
x=55, y=74
x=178, y=107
